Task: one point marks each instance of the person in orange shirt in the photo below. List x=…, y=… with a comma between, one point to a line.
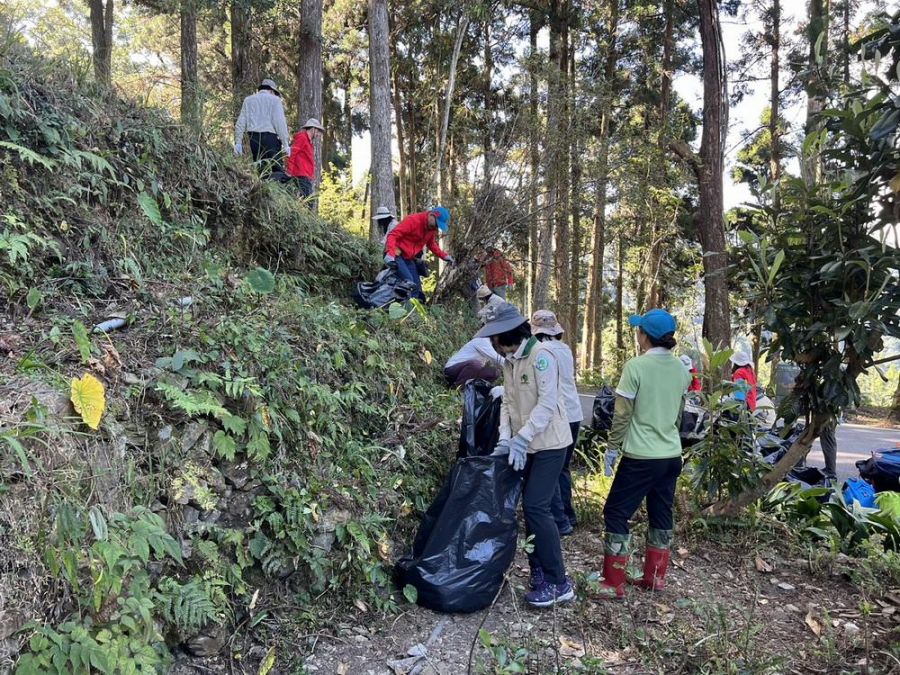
x=498, y=273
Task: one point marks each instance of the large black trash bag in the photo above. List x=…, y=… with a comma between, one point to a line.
x=882, y=470
x=467, y=539
x=480, y=428
x=604, y=407
x=693, y=427
x=388, y=287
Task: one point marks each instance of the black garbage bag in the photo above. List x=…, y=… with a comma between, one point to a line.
x=693, y=426
x=388, y=287
x=480, y=427
x=604, y=408
x=808, y=477
x=882, y=470
x=467, y=539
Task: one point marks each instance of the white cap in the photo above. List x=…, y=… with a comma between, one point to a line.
x=741, y=358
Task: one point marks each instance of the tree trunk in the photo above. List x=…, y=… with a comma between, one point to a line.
x=563, y=271
x=310, y=71
x=593, y=326
x=413, y=156
x=572, y=319
x=775, y=104
x=241, y=71
x=439, y=178
x=401, y=144
x=380, y=109
x=553, y=158
x=717, y=315
x=534, y=158
x=816, y=86
x=620, y=309
x=895, y=405
x=190, y=89
x=487, y=135
x=101, y=39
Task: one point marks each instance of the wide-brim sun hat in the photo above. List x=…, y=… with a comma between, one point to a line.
x=544, y=322
x=313, y=123
x=686, y=361
x=741, y=358
x=498, y=319
x=656, y=323
x=483, y=292
x=269, y=84
x=382, y=212
x=441, y=217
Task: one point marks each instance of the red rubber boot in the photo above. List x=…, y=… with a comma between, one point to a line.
x=613, y=586
x=656, y=562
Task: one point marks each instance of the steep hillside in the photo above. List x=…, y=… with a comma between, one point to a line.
x=263, y=445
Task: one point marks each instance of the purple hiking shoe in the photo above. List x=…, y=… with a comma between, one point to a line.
x=547, y=594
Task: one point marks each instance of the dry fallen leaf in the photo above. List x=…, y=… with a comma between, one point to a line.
x=763, y=566
x=814, y=624
x=683, y=552
x=342, y=669
x=569, y=648
x=360, y=605
x=89, y=399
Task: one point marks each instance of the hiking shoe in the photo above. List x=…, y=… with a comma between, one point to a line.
x=536, y=578
x=565, y=529
x=547, y=594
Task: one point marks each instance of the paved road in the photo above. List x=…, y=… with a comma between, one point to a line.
x=854, y=441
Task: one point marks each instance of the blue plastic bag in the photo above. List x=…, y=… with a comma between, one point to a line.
x=858, y=490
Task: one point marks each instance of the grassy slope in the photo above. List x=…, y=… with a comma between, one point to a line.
x=285, y=439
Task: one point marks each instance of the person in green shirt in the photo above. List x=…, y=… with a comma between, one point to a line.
x=649, y=401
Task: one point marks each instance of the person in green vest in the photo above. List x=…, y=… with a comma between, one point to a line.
x=649, y=401
x=534, y=435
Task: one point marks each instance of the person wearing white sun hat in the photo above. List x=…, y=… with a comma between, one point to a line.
x=743, y=375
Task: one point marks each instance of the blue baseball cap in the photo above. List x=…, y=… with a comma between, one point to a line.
x=442, y=217
x=656, y=323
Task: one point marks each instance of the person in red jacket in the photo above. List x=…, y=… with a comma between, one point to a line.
x=406, y=241
x=301, y=164
x=742, y=374
x=498, y=273
x=696, y=384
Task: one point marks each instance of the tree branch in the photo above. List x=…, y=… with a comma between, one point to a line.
x=684, y=152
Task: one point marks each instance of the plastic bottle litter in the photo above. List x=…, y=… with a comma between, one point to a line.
x=109, y=324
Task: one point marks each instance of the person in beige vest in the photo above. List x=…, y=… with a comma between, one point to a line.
x=534, y=435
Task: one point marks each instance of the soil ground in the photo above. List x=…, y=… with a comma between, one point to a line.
x=734, y=607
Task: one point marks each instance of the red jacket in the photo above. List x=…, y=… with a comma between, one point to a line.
x=696, y=384
x=301, y=162
x=746, y=373
x=498, y=272
x=410, y=235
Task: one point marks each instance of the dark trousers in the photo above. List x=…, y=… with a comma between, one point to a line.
x=829, y=448
x=541, y=478
x=266, y=150
x=636, y=479
x=563, y=511
x=305, y=186
x=407, y=270
x=457, y=375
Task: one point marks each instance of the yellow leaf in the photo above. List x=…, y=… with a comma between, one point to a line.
x=427, y=357
x=267, y=663
x=895, y=183
x=89, y=399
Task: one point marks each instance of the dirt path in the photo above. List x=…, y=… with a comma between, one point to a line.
x=728, y=609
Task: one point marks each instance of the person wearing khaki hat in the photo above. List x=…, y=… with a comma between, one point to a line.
x=262, y=119
x=546, y=328
x=534, y=435
x=301, y=165
x=383, y=220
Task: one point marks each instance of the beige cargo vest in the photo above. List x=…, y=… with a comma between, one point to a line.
x=520, y=392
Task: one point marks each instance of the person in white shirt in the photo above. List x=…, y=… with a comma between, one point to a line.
x=546, y=328
x=475, y=360
x=262, y=119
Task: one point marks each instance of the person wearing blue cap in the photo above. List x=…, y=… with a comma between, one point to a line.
x=411, y=235
x=649, y=401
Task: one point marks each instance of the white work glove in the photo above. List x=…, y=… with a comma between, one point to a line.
x=518, y=452
x=287, y=151
x=609, y=461
x=497, y=392
x=450, y=260
x=501, y=449
x=389, y=259
x=238, y=149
